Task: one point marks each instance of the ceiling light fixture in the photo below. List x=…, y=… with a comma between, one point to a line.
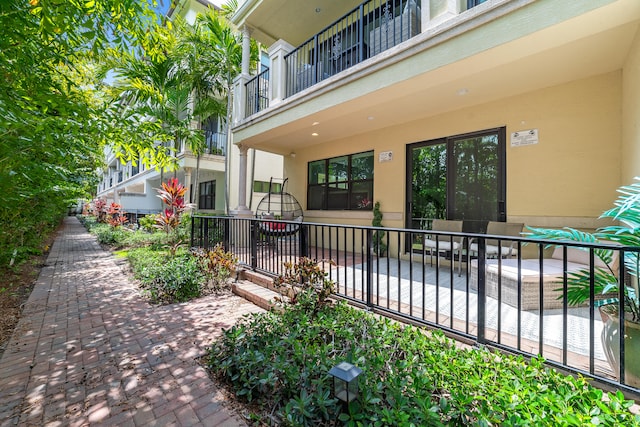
x=314, y=134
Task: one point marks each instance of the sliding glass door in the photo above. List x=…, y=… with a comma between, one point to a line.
x=459, y=177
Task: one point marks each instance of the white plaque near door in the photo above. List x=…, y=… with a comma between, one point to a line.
x=385, y=156
x=524, y=137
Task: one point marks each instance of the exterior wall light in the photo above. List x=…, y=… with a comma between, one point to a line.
x=345, y=381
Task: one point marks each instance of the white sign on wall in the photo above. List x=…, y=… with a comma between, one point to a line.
x=385, y=156
x=524, y=137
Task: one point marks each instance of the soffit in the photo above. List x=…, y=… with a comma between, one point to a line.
x=290, y=20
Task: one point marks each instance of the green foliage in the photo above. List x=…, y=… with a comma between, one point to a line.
x=429, y=182
x=50, y=114
x=280, y=363
x=626, y=211
x=217, y=265
x=379, y=246
x=165, y=278
x=120, y=237
x=306, y=284
x=108, y=235
x=148, y=222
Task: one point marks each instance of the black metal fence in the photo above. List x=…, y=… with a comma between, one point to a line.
x=517, y=304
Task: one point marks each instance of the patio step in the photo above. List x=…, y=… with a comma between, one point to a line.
x=258, y=289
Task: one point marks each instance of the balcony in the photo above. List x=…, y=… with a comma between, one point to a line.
x=366, y=31
x=215, y=143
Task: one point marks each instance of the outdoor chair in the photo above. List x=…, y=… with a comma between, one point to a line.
x=442, y=244
x=503, y=249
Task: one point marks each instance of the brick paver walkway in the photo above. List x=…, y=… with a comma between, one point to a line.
x=90, y=351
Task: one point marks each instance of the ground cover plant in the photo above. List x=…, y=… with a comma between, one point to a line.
x=279, y=363
x=167, y=278
x=166, y=272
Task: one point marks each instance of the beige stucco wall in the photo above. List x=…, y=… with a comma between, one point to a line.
x=267, y=165
x=631, y=114
x=568, y=178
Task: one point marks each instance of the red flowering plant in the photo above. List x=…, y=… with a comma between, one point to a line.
x=172, y=195
x=116, y=216
x=100, y=210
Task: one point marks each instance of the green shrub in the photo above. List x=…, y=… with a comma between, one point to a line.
x=306, y=284
x=166, y=279
x=148, y=222
x=280, y=363
x=108, y=235
x=217, y=265
x=88, y=221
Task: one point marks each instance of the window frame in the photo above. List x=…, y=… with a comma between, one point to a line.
x=329, y=182
x=203, y=198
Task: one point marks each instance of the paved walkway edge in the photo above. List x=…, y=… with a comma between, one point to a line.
x=89, y=350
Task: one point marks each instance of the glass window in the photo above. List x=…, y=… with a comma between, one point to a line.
x=341, y=183
x=207, y=195
x=263, y=187
x=317, y=172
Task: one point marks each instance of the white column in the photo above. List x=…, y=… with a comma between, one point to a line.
x=239, y=107
x=278, y=70
x=242, y=209
x=435, y=12
x=246, y=49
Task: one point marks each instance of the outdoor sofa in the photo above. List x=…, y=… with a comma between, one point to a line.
x=552, y=277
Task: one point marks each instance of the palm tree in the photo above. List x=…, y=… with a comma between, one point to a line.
x=168, y=85
x=227, y=54
x=186, y=73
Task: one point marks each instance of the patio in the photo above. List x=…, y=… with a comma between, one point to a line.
x=411, y=290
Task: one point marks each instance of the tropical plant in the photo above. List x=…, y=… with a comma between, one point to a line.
x=100, y=210
x=51, y=114
x=116, y=216
x=626, y=212
x=218, y=266
x=379, y=246
x=226, y=53
x=306, y=284
x=154, y=90
x=172, y=196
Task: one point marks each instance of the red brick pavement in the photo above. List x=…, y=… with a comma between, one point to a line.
x=90, y=351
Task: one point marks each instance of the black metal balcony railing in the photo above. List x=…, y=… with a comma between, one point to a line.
x=257, y=93
x=487, y=303
x=215, y=143
x=369, y=29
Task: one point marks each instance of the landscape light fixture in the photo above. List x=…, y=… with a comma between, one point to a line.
x=345, y=381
